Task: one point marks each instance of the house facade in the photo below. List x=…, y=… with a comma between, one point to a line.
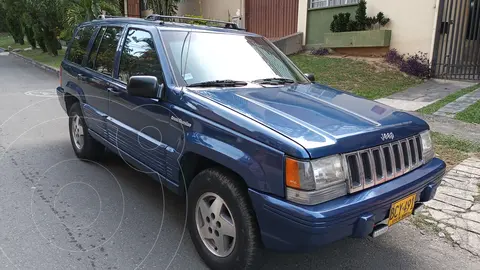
x=447, y=31
x=271, y=18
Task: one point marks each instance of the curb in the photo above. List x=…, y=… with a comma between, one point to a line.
x=36, y=63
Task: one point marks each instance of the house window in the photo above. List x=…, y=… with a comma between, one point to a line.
x=331, y=3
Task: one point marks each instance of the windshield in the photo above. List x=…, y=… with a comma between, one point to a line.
x=199, y=57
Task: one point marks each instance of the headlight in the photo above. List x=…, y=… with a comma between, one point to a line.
x=428, y=153
x=316, y=181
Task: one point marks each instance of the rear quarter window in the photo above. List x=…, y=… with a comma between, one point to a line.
x=78, y=47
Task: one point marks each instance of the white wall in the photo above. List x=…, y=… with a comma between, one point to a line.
x=189, y=7
x=412, y=23
x=212, y=9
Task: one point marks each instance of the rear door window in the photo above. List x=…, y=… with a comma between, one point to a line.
x=105, y=54
x=139, y=56
x=94, y=50
x=78, y=48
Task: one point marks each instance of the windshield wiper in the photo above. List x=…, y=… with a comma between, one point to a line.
x=219, y=83
x=274, y=81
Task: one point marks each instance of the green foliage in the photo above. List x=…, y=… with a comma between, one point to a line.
x=199, y=22
x=78, y=11
x=342, y=22
x=30, y=36
x=361, y=16
x=13, y=13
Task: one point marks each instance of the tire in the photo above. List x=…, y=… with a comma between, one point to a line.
x=245, y=251
x=89, y=149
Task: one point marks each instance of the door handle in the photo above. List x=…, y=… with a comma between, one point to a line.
x=81, y=77
x=113, y=91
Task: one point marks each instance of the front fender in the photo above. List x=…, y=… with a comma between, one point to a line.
x=76, y=91
x=260, y=167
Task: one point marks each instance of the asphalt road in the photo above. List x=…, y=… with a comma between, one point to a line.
x=57, y=212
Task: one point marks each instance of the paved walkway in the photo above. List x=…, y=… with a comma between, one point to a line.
x=449, y=126
x=455, y=211
x=463, y=102
x=424, y=94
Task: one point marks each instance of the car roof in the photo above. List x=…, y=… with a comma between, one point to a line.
x=165, y=25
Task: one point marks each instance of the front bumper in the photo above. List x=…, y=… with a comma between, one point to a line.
x=287, y=226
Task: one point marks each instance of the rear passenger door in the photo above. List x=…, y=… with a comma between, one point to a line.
x=73, y=70
x=141, y=126
x=98, y=74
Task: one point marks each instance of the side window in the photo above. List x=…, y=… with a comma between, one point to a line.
x=94, y=50
x=106, y=51
x=139, y=56
x=78, y=48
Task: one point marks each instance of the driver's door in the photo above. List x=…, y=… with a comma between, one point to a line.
x=140, y=127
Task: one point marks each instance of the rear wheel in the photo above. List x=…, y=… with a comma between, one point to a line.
x=222, y=223
x=84, y=145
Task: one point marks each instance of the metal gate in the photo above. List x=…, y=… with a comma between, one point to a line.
x=271, y=18
x=457, y=41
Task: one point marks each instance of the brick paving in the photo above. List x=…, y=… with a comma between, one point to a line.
x=455, y=211
x=463, y=102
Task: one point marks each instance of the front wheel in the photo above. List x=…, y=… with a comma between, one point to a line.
x=222, y=223
x=84, y=145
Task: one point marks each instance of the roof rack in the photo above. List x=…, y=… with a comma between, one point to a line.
x=103, y=17
x=191, y=20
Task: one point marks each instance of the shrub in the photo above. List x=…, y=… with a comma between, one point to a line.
x=342, y=22
x=393, y=57
x=321, y=51
x=198, y=22
x=416, y=65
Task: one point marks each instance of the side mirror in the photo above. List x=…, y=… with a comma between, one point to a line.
x=310, y=77
x=144, y=86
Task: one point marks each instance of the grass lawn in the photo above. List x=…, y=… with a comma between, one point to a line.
x=430, y=109
x=356, y=76
x=45, y=58
x=7, y=40
x=453, y=150
x=471, y=114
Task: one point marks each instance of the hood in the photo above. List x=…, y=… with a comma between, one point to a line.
x=321, y=119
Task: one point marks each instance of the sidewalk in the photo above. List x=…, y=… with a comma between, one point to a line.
x=455, y=211
x=424, y=94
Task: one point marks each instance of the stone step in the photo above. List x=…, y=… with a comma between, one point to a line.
x=437, y=205
x=467, y=195
x=465, y=224
x=447, y=182
x=461, y=203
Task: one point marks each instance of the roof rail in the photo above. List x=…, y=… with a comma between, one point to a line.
x=103, y=17
x=163, y=18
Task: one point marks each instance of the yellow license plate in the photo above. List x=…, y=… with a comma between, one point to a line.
x=401, y=209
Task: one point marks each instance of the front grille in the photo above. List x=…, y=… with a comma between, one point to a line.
x=373, y=166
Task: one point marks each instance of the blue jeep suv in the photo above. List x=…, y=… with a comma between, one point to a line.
x=266, y=157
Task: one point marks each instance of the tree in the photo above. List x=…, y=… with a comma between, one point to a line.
x=361, y=16
x=78, y=11
x=49, y=21
x=13, y=13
